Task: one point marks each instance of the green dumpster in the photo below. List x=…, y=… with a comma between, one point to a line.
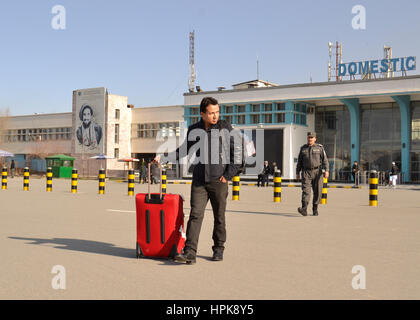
x=61, y=165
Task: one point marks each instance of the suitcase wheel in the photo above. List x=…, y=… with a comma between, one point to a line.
x=139, y=254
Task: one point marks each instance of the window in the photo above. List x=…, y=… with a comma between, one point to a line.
x=117, y=114
x=229, y=109
x=194, y=111
x=280, y=117
x=117, y=133
x=255, y=118
x=228, y=119
x=255, y=108
x=116, y=153
x=268, y=118
x=268, y=107
x=280, y=106
x=241, y=119
x=194, y=120
x=241, y=109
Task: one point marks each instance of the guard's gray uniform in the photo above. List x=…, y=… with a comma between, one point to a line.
x=311, y=161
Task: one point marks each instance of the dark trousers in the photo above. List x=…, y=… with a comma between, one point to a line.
x=311, y=179
x=263, y=178
x=217, y=192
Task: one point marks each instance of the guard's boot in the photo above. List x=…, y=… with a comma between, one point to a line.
x=315, y=209
x=302, y=211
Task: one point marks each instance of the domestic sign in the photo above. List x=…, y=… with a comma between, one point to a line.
x=377, y=66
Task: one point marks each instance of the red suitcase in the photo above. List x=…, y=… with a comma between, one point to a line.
x=160, y=223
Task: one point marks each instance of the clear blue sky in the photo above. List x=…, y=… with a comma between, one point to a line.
x=140, y=48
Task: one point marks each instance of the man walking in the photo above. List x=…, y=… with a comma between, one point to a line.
x=393, y=176
x=355, y=173
x=210, y=177
x=313, y=164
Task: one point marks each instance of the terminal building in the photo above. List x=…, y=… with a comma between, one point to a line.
x=373, y=121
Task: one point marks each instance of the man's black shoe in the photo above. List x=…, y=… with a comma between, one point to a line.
x=217, y=256
x=315, y=210
x=188, y=258
x=302, y=211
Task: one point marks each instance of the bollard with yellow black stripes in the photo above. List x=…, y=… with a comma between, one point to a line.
x=26, y=179
x=235, y=188
x=4, y=178
x=49, y=179
x=101, y=181
x=324, y=191
x=277, y=186
x=373, y=189
x=131, y=182
x=74, y=177
x=163, y=181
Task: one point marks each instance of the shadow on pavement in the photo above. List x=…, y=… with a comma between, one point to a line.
x=83, y=246
x=290, y=215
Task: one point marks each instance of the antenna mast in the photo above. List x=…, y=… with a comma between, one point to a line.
x=191, y=80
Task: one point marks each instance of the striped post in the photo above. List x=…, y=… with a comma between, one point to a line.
x=277, y=186
x=26, y=179
x=373, y=189
x=101, y=181
x=49, y=179
x=131, y=182
x=324, y=191
x=4, y=178
x=74, y=177
x=235, y=188
x=163, y=181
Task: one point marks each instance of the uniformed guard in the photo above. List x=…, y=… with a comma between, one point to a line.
x=313, y=165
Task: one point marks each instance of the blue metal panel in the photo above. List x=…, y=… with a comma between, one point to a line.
x=404, y=104
x=354, y=108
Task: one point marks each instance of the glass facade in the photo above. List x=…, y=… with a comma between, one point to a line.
x=332, y=125
x=380, y=136
x=415, y=141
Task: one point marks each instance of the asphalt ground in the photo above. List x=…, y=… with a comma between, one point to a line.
x=272, y=252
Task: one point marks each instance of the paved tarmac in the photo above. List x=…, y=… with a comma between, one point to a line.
x=271, y=252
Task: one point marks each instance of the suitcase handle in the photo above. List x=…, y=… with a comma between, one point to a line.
x=149, y=198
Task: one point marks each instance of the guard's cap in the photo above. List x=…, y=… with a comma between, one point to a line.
x=312, y=134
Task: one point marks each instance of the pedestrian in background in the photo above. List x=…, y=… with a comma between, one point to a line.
x=313, y=165
x=263, y=176
x=393, y=176
x=355, y=173
x=12, y=168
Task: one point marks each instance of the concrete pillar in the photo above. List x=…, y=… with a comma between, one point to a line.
x=403, y=102
x=354, y=109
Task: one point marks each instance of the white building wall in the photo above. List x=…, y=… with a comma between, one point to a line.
x=124, y=144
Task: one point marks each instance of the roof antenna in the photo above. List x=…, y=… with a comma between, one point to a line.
x=258, y=69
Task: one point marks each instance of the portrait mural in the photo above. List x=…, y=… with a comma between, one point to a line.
x=90, y=119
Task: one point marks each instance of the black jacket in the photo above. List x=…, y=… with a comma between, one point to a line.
x=207, y=172
x=394, y=170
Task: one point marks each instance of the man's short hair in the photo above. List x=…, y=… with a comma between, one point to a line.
x=82, y=109
x=206, y=102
